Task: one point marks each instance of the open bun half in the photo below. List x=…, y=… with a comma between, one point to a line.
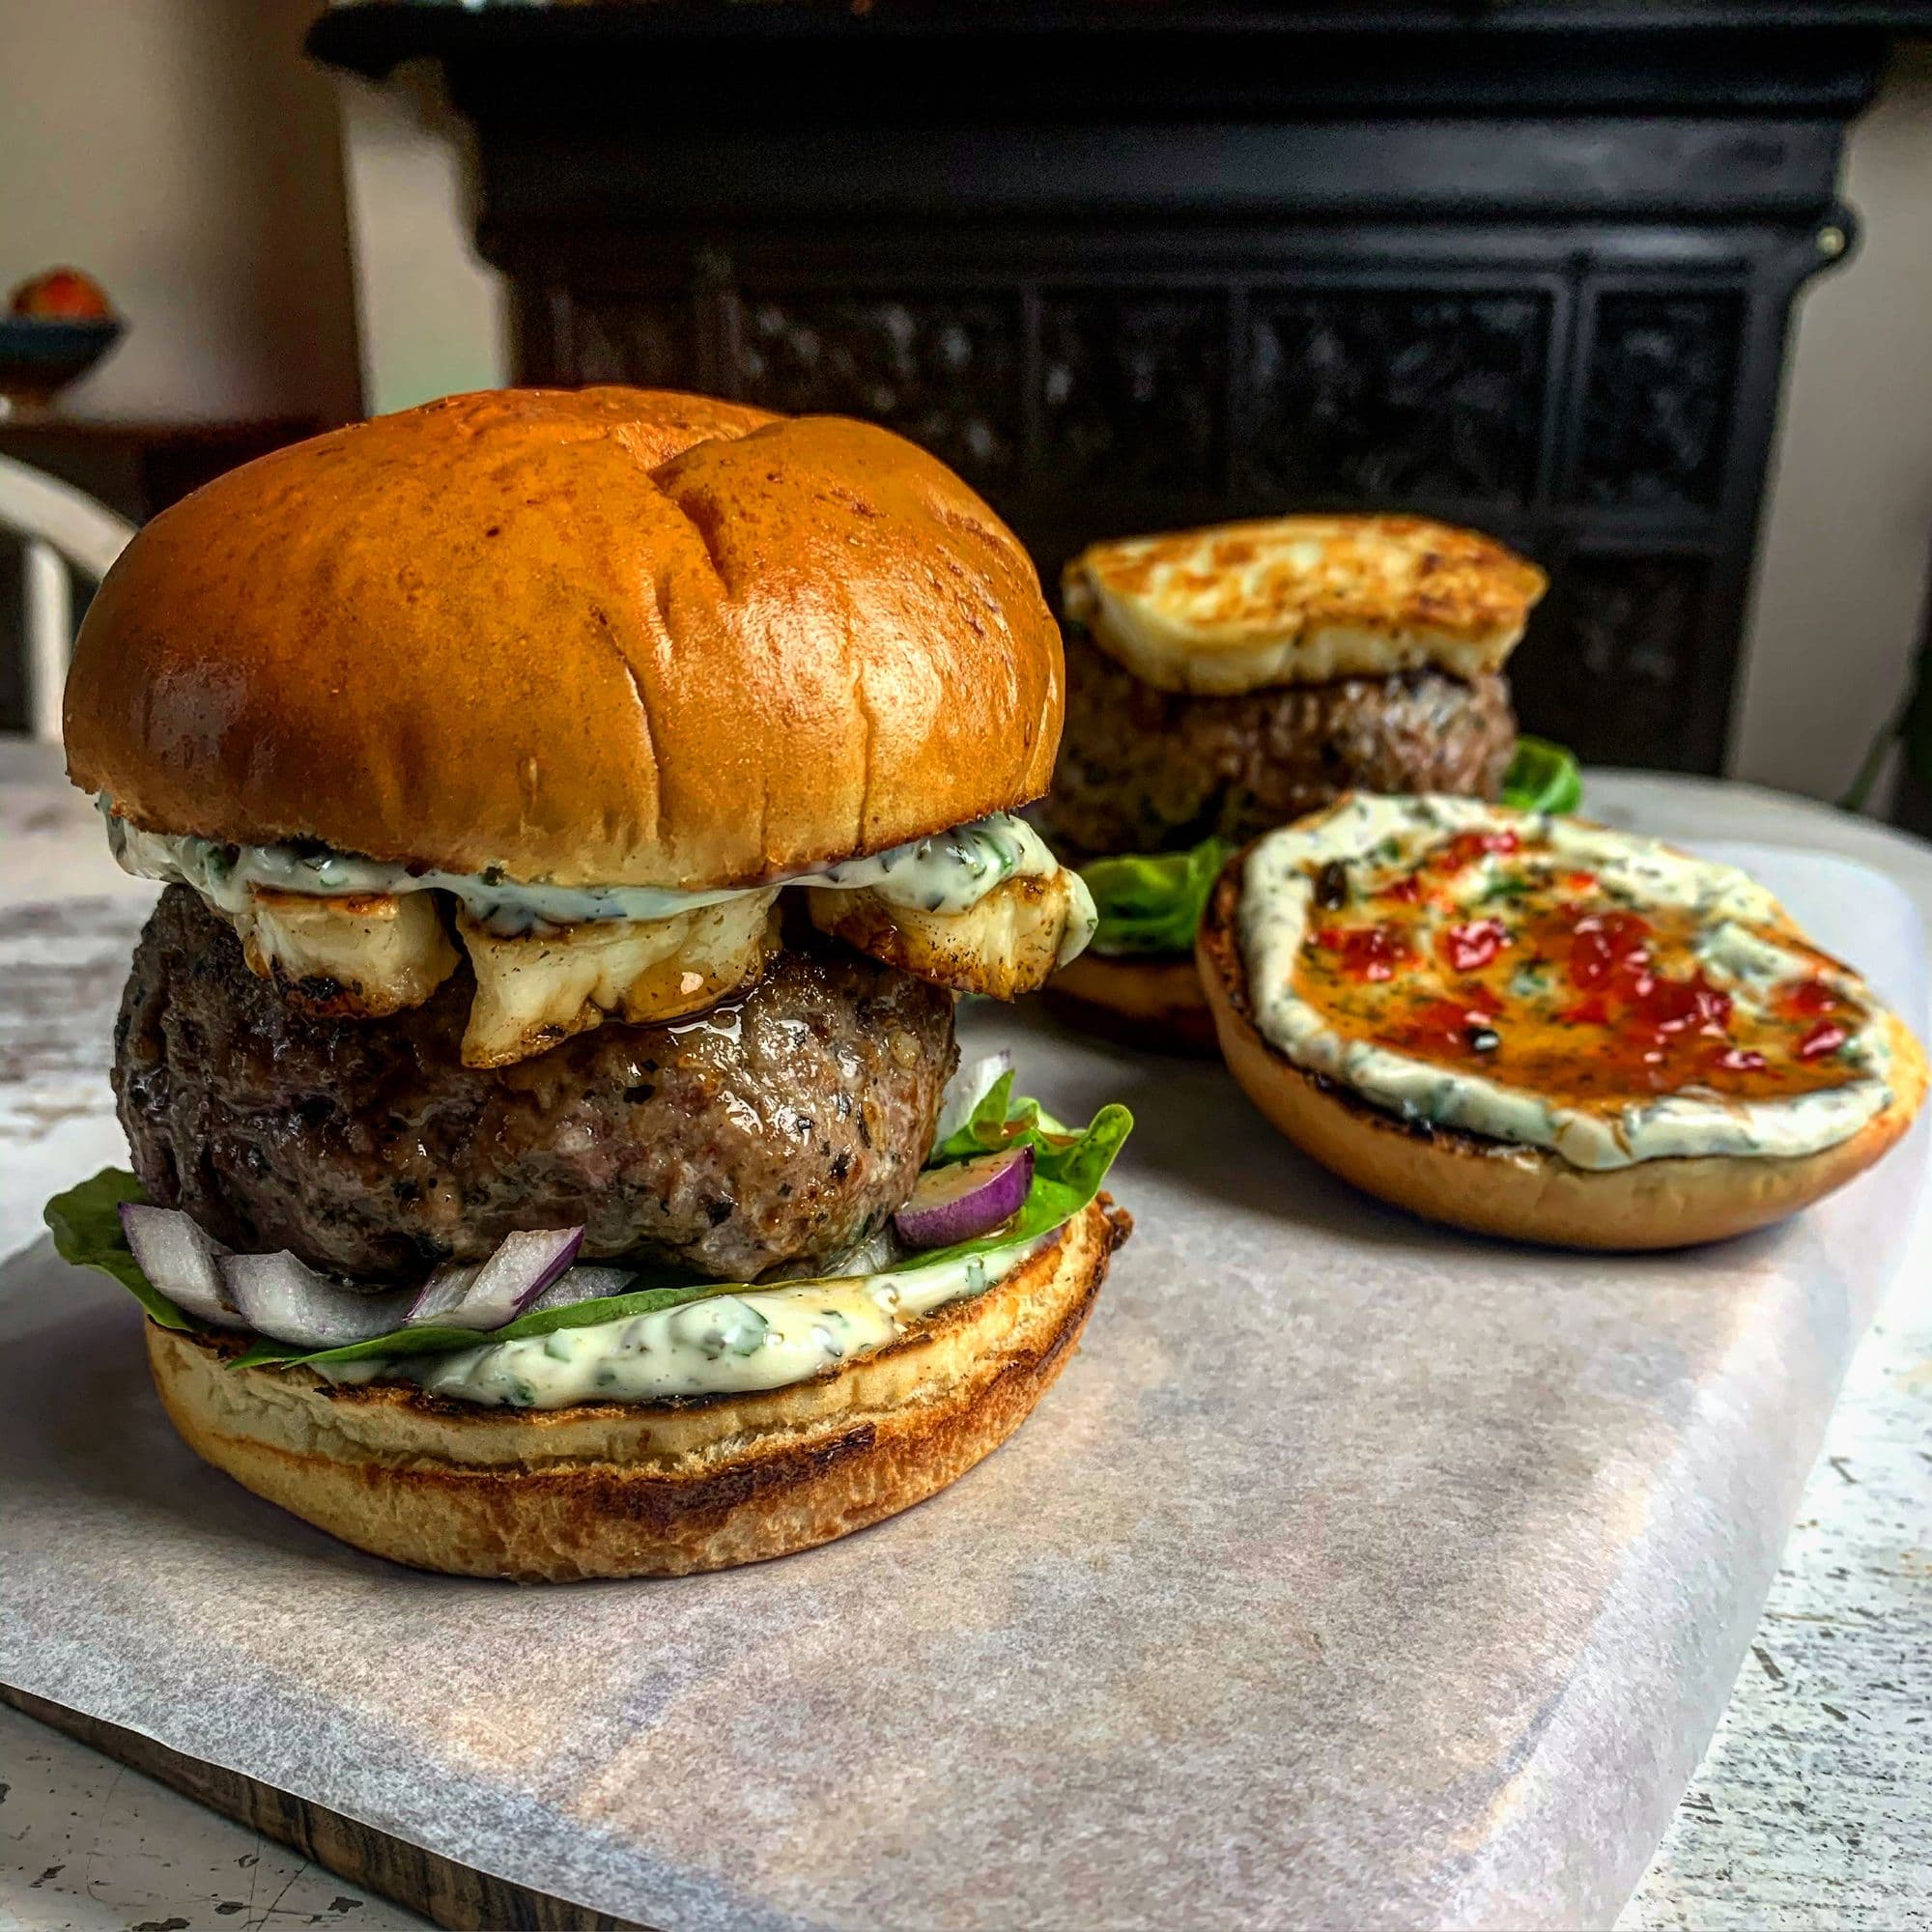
x=1527, y=1194
x=1150, y=1003
x=643, y=1490
x=604, y=636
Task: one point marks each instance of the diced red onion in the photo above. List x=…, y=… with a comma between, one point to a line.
x=500, y=1290
x=969, y=1198
x=581, y=1284
x=969, y=1086
x=287, y=1300
x=181, y=1261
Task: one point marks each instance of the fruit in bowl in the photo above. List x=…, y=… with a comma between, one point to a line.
x=57, y=327
x=64, y=293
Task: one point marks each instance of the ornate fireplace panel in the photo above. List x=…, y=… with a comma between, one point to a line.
x=1503, y=270
x=1381, y=396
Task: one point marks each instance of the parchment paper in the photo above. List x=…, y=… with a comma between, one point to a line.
x=1355, y=1574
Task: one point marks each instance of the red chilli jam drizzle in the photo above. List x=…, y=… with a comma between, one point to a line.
x=1489, y=955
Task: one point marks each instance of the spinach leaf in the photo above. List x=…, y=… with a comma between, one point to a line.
x=86, y=1225
x=1151, y=903
x=1543, y=776
x=1069, y=1167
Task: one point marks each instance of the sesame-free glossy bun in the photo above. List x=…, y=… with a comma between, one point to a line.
x=607, y=636
x=1526, y=1194
x=1151, y=1003
x=644, y=1488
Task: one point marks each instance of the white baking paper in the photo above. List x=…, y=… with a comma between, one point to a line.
x=1355, y=1574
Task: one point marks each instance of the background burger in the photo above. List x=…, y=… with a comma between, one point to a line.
x=1224, y=681
x=578, y=814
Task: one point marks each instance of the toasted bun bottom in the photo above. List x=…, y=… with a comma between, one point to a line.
x=657, y=1490
x=1154, y=1003
x=1496, y=1187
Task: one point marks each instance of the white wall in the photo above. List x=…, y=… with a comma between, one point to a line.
x=432, y=313
x=1844, y=568
x=186, y=153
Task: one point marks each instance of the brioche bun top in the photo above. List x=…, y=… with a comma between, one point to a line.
x=605, y=637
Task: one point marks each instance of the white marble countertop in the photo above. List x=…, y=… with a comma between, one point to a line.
x=1812, y=1807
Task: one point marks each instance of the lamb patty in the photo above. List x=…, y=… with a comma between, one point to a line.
x=769, y=1133
x=1142, y=770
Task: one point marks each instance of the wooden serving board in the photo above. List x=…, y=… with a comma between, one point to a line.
x=445, y=1893
x=1143, y=1653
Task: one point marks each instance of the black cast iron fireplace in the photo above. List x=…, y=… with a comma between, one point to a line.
x=1126, y=266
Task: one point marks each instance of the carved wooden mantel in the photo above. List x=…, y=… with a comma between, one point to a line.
x=1129, y=265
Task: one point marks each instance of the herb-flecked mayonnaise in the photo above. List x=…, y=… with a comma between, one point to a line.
x=1389, y=835
x=949, y=872
x=757, y=1338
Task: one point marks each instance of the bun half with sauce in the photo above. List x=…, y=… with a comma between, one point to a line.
x=1643, y=1071
x=578, y=814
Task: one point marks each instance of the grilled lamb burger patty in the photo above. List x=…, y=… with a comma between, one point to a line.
x=1146, y=770
x=772, y=1132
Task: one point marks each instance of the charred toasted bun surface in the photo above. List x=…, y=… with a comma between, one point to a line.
x=657, y=1490
x=1499, y=1186
x=609, y=636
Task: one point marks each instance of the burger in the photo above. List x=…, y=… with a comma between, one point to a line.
x=578, y=814
x=1224, y=681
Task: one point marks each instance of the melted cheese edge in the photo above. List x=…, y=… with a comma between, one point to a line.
x=1277, y=891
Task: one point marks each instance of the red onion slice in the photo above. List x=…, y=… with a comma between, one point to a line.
x=968, y=1086
x=967, y=1200
x=179, y=1259
x=500, y=1289
x=581, y=1284
x=443, y=1291
x=288, y=1301
x=874, y=1255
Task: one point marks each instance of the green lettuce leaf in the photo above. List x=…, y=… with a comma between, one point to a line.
x=268, y=1354
x=1543, y=776
x=86, y=1225
x=1151, y=902
x=1069, y=1167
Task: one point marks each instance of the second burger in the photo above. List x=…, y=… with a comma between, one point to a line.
x=1224, y=681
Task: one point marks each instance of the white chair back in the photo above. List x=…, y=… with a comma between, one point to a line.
x=62, y=527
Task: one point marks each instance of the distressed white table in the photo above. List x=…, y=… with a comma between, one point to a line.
x=1813, y=1805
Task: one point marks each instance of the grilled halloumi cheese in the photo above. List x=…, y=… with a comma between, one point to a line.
x=1302, y=600
x=1005, y=946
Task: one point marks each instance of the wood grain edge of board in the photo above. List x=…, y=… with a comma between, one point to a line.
x=447, y=1894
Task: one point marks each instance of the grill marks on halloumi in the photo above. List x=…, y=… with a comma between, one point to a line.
x=1302, y=600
